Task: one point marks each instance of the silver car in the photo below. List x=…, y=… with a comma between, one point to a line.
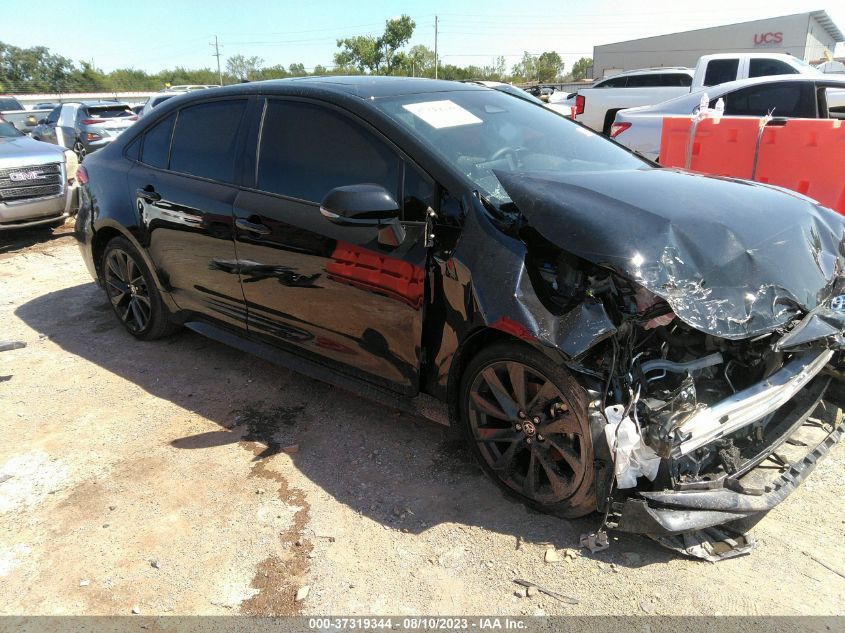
x=38, y=184
x=85, y=127
x=789, y=96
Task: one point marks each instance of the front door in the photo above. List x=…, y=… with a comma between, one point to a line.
x=330, y=291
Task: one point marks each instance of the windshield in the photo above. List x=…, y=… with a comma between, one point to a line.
x=7, y=130
x=478, y=132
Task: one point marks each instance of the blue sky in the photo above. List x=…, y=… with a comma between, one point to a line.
x=156, y=34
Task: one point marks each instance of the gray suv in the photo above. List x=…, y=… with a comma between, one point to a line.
x=85, y=127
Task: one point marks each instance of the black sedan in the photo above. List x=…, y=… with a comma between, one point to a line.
x=607, y=335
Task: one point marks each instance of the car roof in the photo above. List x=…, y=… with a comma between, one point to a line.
x=361, y=86
x=659, y=70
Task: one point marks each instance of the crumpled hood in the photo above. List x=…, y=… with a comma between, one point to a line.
x=732, y=258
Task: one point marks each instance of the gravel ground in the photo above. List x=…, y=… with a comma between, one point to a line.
x=164, y=478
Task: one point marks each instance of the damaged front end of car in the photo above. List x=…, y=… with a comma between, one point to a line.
x=705, y=324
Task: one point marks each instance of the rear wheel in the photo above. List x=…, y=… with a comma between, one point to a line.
x=525, y=419
x=79, y=149
x=133, y=293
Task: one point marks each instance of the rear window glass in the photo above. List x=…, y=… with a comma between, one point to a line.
x=205, y=138
x=157, y=143
x=720, y=71
x=108, y=112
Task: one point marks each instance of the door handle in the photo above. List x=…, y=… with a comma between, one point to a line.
x=148, y=193
x=252, y=227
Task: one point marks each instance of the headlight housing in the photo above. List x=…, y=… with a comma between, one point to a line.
x=71, y=165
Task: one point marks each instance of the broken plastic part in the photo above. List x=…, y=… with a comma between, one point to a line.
x=711, y=544
x=632, y=457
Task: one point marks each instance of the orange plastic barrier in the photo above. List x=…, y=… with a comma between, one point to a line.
x=805, y=155
x=724, y=149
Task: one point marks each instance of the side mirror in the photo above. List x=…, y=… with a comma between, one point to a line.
x=359, y=205
x=365, y=205
x=42, y=121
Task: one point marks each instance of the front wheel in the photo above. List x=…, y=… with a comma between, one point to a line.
x=525, y=419
x=133, y=293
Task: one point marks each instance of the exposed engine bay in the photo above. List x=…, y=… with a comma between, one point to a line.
x=657, y=367
x=656, y=379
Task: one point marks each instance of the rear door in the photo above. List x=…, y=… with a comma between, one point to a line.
x=321, y=289
x=47, y=131
x=183, y=187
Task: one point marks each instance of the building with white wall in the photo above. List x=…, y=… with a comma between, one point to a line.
x=804, y=35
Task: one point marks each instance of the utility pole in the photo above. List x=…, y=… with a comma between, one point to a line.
x=216, y=54
x=435, y=46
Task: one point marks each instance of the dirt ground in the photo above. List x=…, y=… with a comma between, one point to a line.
x=150, y=478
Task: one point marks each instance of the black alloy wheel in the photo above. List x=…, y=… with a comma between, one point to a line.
x=525, y=418
x=132, y=292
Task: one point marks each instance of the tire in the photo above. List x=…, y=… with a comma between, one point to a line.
x=132, y=292
x=536, y=446
x=79, y=149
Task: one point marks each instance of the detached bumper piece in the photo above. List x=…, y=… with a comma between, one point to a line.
x=683, y=519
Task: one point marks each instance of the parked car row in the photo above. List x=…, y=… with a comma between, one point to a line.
x=784, y=96
x=596, y=106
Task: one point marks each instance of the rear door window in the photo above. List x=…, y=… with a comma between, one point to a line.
x=205, y=138
x=766, y=67
x=720, y=71
x=54, y=116
x=156, y=147
x=781, y=99
x=307, y=150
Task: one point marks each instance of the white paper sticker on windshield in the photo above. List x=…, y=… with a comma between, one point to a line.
x=440, y=114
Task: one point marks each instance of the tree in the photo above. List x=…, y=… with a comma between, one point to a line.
x=419, y=62
x=244, y=68
x=549, y=67
x=297, y=70
x=33, y=69
x=526, y=69
x=377, y=55
x=319, y=69
x=580, y=68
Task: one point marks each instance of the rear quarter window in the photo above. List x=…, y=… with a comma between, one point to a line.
x=205, y=138
x=156, y=144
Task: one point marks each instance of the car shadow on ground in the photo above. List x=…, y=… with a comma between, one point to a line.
x=396, y=469
x=12, y=241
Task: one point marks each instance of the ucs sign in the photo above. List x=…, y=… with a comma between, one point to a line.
x=764, y=39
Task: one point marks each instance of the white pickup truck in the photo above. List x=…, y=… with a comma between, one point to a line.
x=596, y=107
